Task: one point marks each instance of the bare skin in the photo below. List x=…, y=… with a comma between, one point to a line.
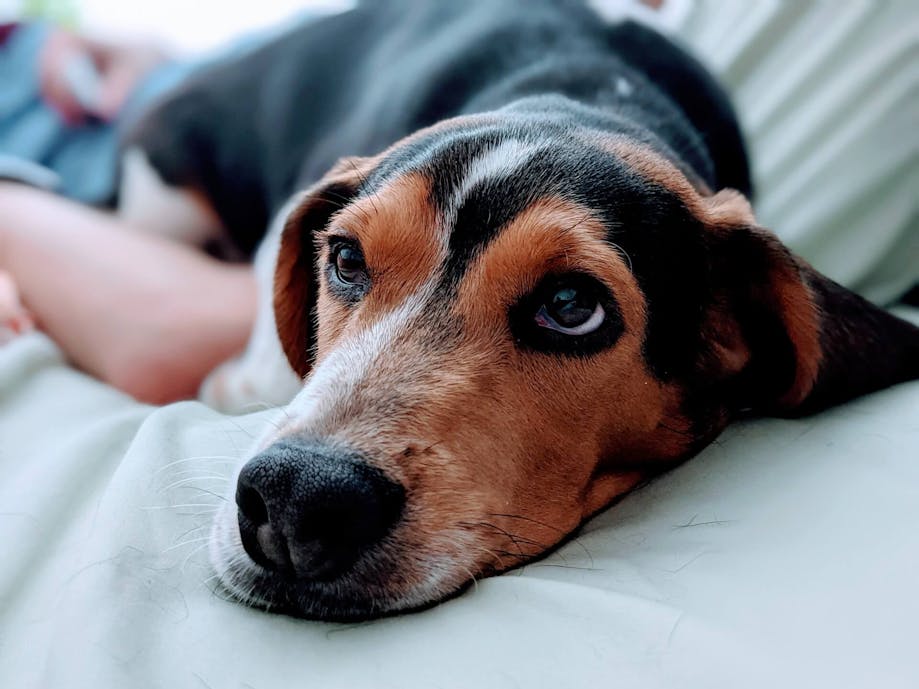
x=15, y=319
x=147, y=315
x=119, y=65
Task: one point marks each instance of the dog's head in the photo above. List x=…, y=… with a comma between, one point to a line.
x=502, y=330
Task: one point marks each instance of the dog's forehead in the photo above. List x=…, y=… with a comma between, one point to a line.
x=480, y=179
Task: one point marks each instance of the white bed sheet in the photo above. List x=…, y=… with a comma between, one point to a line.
x=787, y=554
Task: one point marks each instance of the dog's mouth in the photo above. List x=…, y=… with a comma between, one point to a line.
x=314, y=527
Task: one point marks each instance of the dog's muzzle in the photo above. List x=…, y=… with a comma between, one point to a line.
x=308, y=511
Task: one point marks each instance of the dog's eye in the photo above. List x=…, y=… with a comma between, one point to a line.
x=571, y=311
x=350, y=268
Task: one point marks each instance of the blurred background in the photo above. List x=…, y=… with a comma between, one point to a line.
x=828, y=93
x=182, y=26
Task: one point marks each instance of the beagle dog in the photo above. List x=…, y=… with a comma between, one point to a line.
x=531, y=281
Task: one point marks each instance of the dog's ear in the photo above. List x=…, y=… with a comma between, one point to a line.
x=782, y=338
x=295, y=279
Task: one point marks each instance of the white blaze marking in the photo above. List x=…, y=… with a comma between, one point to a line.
x=495, y=163
x=343, y=371
x=341, y=374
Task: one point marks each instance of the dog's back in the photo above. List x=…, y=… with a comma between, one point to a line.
x=247, y=132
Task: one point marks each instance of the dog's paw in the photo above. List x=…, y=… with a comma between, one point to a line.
x=237, y=388
x=229, y=388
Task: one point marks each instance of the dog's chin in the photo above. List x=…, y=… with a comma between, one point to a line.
x=357, y=595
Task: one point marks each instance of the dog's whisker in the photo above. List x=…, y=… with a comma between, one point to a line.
x=261, y=405
x=182, y=506
x=206, y=459
x=194, y=470
x=193, y=479
x=182, y=544
x=206, y=525
x=193, y=552
x=516, y=540
x=625, y=254
x=209, y=492
x=362, y=179
x=528, y=519
x=239, y=426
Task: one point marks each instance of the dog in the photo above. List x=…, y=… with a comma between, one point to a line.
x=524, y=278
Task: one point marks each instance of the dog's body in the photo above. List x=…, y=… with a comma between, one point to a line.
x=249, y=132
x=530, y=302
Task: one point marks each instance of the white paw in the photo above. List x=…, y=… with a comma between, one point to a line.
x=237, y=388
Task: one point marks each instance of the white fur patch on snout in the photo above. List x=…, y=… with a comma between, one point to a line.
x=338, y=377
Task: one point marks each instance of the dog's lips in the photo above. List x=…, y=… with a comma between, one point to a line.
x=335, y=601
x=257, y=587
x=251, y=584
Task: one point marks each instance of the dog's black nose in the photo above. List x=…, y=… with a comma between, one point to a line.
x=310, y=510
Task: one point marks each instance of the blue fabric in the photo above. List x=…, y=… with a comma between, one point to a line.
x=84, y=156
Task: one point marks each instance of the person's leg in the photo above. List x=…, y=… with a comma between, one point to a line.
x=14, y=317
x=147, y=315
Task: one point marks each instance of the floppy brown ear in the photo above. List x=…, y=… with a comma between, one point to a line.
x=785, y=339
x=295, y=280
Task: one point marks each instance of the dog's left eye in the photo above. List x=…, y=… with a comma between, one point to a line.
x=349, y=265
x=571, y=311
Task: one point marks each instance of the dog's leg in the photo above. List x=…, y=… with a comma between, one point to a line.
x=147, y=203
x=261, y=375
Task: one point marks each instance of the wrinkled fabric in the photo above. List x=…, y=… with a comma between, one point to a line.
x=786, y=554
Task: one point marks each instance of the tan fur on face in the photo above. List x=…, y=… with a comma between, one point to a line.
x=396, y=229
x=502, y=451
x=599, y=417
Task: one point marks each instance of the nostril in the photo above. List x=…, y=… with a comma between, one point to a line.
x=251, y=504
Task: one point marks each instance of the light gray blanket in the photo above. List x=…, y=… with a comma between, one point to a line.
x=787, y=554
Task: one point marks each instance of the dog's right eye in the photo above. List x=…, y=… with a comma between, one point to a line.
x=571, y=311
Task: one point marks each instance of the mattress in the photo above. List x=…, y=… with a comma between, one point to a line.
x=786, y=554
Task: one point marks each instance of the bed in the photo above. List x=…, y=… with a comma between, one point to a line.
x=786, y=554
